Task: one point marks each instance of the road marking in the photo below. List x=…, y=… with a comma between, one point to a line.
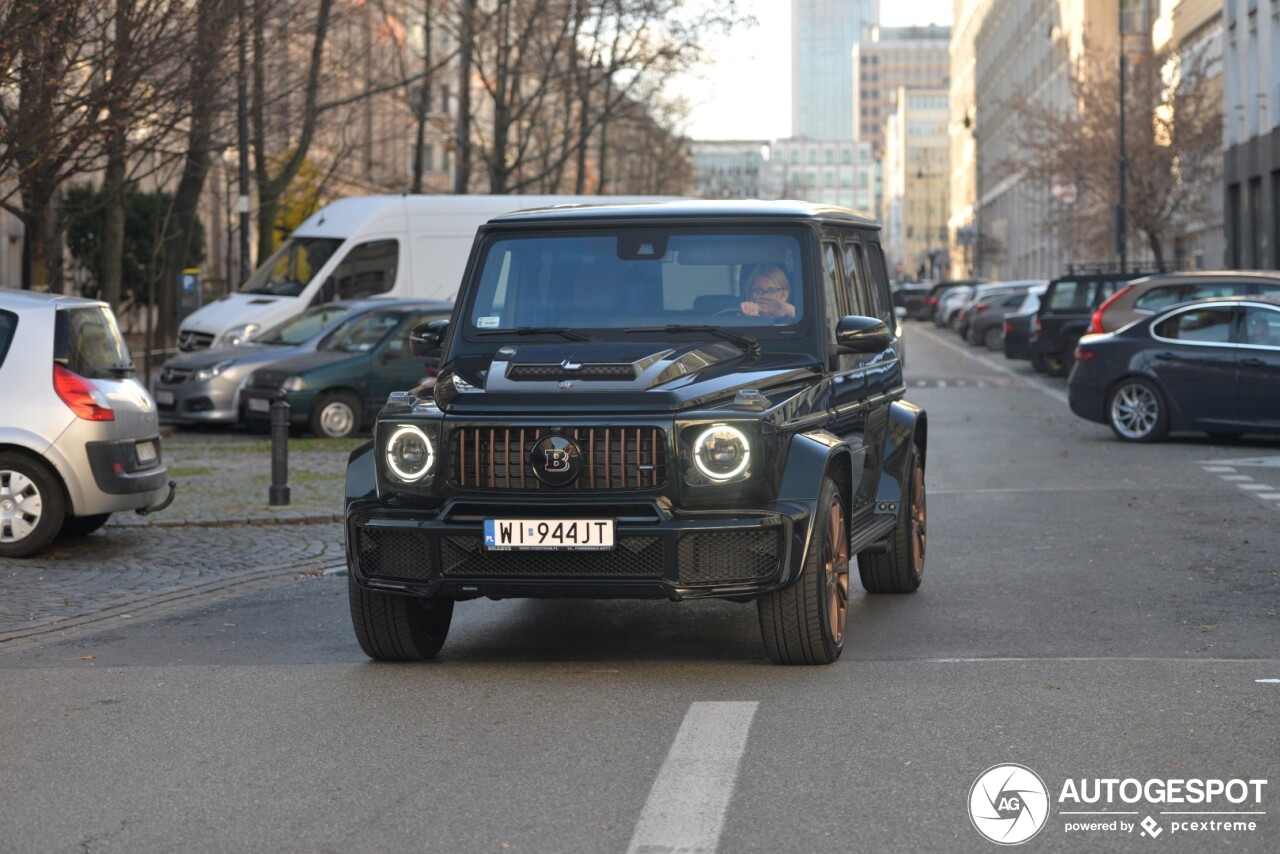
x=1225, y=469
x=1268, y=681
x=1034, y=382
x=686, y=807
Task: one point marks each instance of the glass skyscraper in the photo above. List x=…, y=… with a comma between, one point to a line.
x=823, y=33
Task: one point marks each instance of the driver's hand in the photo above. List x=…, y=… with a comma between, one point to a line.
x=750, y=308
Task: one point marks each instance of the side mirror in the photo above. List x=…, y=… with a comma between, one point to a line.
x=427, y=338
x=856, y=334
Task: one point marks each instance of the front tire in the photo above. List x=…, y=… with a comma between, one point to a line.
x=336, y=415
x=805, y=623
x=900, y=568
x=1137, y=412
x=392, y=627
x=31, y=505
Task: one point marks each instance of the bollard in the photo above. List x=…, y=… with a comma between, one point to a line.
x=279, y=494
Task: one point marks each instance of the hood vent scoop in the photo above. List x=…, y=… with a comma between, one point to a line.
x=572, y=371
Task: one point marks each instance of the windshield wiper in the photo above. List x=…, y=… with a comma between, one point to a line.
x=571, y=334
x=746, y=342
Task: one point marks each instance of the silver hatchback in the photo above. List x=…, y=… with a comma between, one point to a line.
x=79, y=435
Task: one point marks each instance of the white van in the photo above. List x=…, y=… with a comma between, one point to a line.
x=387, y=246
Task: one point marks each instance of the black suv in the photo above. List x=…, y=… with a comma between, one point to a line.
x=679, y=400
x=1064, y=314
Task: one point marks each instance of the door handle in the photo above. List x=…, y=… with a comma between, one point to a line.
x=1253, y=363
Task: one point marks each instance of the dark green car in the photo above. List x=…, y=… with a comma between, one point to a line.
x=337, y=389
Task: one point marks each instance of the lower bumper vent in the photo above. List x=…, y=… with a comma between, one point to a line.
x=728, y=556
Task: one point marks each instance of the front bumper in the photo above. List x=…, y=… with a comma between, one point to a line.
x=659, y=553
x=196, y=403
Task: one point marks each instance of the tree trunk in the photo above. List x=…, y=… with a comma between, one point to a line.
x=462, y=156
x=112, y=272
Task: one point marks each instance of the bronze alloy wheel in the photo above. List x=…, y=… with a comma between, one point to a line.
x=918, y=517
x=837, y=574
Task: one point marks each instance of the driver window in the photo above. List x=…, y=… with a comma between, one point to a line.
x=367, y=270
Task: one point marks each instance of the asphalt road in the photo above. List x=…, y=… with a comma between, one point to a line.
x=1091, y=609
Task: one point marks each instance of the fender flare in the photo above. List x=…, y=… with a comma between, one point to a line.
x=362, y=474
x=907, y=428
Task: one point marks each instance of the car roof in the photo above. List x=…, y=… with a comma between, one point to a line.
x=1273, y=301
x=1195, y=277
x=16, y=299
x=691, y=209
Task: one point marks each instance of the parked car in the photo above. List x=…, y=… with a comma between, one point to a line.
x=949, y=302
x=935, y=294
x=985, y=318
x=335, y=390
x=982, y=296
x=1211, y=365
x=685, y=401
x=80, y=437
x=1146, y=296
x=913, y=296
x=203, y=387
x=1019, y=334
x=1064, y=315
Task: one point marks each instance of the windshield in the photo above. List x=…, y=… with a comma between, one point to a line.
x=636, y=277
x=287, y=272
x=305, y=326
x=363, y=333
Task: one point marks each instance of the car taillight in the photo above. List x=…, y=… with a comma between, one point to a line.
x=81, y=396
x=1095, y=324
x=931, y=300
x=980, y=307
x=1008, y=327
x=1083, y=355
x=1035, y=324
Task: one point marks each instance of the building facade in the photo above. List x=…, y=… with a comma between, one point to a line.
x=916, y=185
x=962, y=164
x=889, y=59
x=1251, y=132
x=823, y=33
x=825, y=171
x=728, y=169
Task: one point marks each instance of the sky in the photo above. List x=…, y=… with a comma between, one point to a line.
x=746, y=92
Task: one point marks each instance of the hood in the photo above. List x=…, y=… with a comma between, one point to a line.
x=612, y=377
x=278, y=371
x=204, y=358
x=233, y=310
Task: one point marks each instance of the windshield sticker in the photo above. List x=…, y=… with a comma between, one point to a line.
x=486, y=322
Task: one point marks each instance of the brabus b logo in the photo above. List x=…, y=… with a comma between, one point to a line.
x=1008, y=804
x=555, y=460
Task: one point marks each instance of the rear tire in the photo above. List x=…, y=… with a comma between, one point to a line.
x=336, y=415
x=805, y=623
x=393, y=627
x=994, y=339
x=83, y=526
x=1137, y=412
x=31, y=505
x=900, y=568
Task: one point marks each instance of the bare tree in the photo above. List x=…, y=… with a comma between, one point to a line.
x=1173, y=140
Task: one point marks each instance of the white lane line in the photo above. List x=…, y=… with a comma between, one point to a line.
x=687, y=804
x=1219, y=469
x=1236, y=478
x=1034, y=382
x=1267, y=681
x=1257, y=487
x=1269, y=496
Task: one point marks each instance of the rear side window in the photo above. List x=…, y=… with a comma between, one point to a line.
x=87, y=342
x=880, y=284
x=8, y=325
x=1158, y=298
x=1206, y=325
x=368, y=270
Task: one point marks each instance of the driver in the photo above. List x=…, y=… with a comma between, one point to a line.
x=768, y=293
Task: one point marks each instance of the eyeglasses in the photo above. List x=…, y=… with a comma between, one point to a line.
x=768, y=292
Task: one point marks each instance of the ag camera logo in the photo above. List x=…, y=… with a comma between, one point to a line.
x=1008, y=804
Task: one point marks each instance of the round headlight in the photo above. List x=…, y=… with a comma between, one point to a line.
x=721, y=452
x=409, y=454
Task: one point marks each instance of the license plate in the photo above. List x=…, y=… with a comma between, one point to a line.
x=548, y=534
x=164, y=398
x=146, y=452
x=259, y=404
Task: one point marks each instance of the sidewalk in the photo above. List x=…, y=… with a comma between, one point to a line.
x=224, y=478
x=218, y=538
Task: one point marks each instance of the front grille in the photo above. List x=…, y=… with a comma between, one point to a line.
x=394, y=553
x=613, y=458
x=728, y=556
x=188, y=341
x=172, y=376
x=559, y=372
x=632, y=557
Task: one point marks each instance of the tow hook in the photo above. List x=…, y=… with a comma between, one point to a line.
x=156, y=508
